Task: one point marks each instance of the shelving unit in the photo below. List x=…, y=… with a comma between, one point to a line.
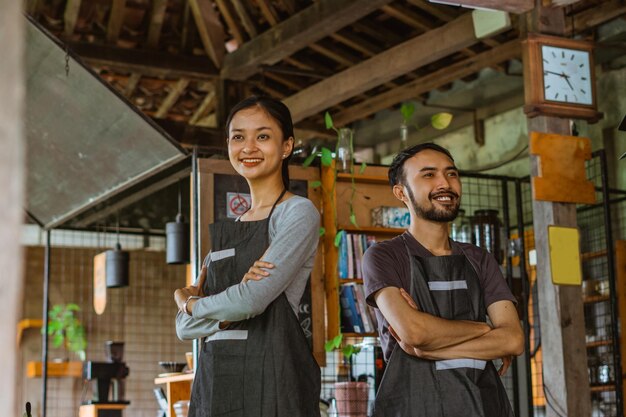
x=372, y=191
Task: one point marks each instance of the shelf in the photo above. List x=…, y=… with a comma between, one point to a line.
x=55, y=369
x=174, y=378
x=600, y=388
x=592, y=255
x=363, y=179
x=373, y=334
x=372, y=230
x=350, y=280
x=595, y=299
x=25, y=324
x=599, y=343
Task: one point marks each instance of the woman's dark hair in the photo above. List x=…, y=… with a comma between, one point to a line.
x=279, y=112
x=396, y=170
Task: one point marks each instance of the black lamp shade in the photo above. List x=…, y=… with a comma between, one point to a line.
x=177, y=237
x=117, y=267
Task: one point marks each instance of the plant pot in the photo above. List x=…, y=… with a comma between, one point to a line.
x=351, y=398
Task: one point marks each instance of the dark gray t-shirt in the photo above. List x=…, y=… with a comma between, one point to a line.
x=386, y=264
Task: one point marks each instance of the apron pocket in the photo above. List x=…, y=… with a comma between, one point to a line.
x=227, y=363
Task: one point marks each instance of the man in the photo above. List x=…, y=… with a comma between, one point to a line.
x=432, y=296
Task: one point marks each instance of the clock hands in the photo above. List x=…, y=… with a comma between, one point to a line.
x=562, y=75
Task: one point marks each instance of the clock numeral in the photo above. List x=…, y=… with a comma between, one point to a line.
x=547, y=86
x=553, y=54
x=562, y=54
x=565, y=97
x=546, y=61
x=583, y=78
x=583, y=91
x=575, y=97
x=581, y=65
x=556, y=96
x=572, y=57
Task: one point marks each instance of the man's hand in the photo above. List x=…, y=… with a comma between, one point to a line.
x=257, y=271
x=182, y=294
x=506, y=362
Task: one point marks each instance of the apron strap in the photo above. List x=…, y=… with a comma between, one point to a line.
x=276, y=202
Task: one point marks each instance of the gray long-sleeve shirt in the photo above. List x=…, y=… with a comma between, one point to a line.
x=293, y=236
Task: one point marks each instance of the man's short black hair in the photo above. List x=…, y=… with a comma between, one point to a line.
x=396, y=170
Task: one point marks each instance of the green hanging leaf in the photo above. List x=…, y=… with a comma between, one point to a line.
x=72, y=307
x=353, y=220
x=315, y=184
x=348, y=350
x=327, y=157
x=333, y=343
x=362, y=169
x=328, y=120
x=322, y=231
x=407, y=111
x=338, y=238
x=441, y=121
x=309, y=160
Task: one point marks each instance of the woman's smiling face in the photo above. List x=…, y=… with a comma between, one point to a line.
x=256, y=145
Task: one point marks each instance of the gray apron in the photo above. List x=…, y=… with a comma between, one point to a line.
x=261, y=367
x=447, y=287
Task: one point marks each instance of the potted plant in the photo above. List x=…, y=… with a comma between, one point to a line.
x=66, y=329
x=351, y=396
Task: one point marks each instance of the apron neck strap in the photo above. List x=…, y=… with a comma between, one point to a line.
x=276, y=202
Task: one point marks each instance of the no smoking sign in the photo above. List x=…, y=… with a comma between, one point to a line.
x=237, y=204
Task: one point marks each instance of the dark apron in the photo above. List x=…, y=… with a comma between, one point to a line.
x=261, y=367
x=447, y=287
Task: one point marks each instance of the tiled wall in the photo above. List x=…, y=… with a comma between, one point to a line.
x=141, y=315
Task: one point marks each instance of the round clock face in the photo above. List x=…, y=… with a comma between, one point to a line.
x=566, y=75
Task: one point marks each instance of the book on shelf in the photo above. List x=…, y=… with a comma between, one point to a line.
x=351, y=249
x=356, y=315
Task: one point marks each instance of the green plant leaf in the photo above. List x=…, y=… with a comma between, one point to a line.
x=338, y=237
x=309, y=160
x=353, y=220
x=348, y=350
x=327, y=157
x=407, y=110
x=362, y=169
x=72, y=307
x=441, y=121
x=328, y=120
x=333, y=343
x=322, y=231
x=315, y=184
x=57, y=339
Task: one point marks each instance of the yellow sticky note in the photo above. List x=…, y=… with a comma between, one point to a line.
x=564, y=245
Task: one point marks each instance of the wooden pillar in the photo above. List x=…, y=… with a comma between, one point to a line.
x=11, y=205
x=561, y=313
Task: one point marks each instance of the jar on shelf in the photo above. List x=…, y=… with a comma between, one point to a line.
x=344, y=150
x=486, y=232
x=606, y=374
x=461, y=229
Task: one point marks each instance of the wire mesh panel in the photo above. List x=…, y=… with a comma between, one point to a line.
x=597, y=291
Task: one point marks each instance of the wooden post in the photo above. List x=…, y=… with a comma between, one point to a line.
x=561, y=314
x=12, y=182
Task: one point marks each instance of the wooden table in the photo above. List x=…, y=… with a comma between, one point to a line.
x=177, y=387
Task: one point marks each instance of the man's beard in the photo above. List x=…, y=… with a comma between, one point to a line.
x=433, y=213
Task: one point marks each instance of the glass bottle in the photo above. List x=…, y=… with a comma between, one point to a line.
x=486, y=232
x=461, y=229
x=344, y=150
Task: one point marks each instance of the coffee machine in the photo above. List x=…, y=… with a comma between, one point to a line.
x=106, y=383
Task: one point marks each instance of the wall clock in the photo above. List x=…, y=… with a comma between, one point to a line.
x=559, y=78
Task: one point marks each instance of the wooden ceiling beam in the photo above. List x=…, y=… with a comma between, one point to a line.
x=210, y=30
x=429, y=82
x=157, y=16
x=289, y=5
x=70, y=16
x=366, y=48
x=116, y=19
x=596, y=16
x=145, y=62
x=230, y=20
x=511, y=6
x=131, y=84
x=334, y=55
x=399, y=60
x=319, y=20
x=409, y=18
x=207, y=106
x=244, y=17
x=172, y=98
x=442, y=13
x=268, y=12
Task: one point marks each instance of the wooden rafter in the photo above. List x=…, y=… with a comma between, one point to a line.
x=210, y=30
x=595, y=16
x=244, y=17
x=157, y=16
x=289, y=5
x=397, y=61
x=366, y=48
x=145, y=62
x=116, y=19
x=333, y=54
x=430, y=82
x=132, y=83
x=440, y=12
x=409, y=17
x=172, y=98
x=230, y=20
x=268, y=12
x=207, y=105
x=511, y=6
x=310, y=25
x=70, y=16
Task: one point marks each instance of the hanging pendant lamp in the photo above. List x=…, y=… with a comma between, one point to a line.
x=117, y=261
x=177, y=237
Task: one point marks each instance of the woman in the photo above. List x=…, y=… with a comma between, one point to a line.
x=255, y=360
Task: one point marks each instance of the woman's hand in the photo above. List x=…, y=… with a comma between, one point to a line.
x=182, y=294
x=257, y=271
